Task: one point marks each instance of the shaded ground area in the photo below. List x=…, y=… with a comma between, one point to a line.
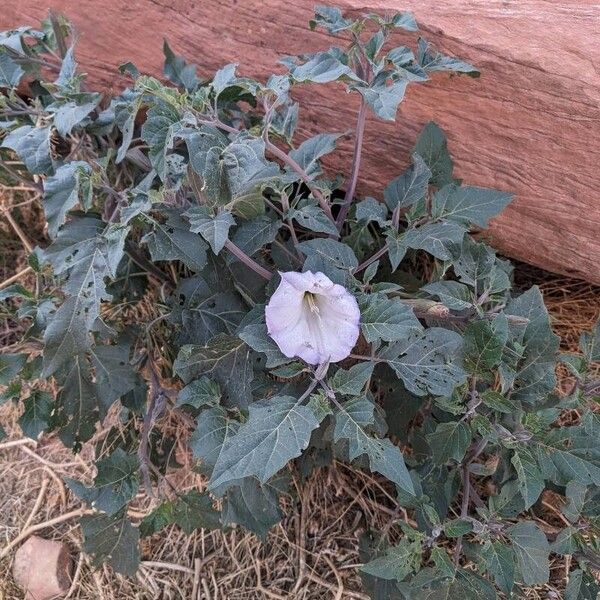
x=312, y=554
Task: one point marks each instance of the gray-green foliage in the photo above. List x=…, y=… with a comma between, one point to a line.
x=199, y=192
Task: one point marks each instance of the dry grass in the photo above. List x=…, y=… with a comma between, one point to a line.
x=312, y=554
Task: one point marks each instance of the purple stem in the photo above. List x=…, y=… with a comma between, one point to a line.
x=371, y=259
x=358, y=143
x=249, y=262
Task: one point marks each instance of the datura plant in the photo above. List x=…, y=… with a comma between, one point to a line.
x=293, y=323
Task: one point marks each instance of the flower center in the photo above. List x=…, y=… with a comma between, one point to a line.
x=311, y=300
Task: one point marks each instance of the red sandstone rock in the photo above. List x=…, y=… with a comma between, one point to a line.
x=42, y=568
x=530, y=124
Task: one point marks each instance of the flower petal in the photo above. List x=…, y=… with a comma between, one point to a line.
x=327, y=331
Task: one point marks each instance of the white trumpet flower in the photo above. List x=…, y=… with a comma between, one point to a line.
x=312, y=318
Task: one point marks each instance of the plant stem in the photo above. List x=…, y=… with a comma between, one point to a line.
x=288, y=160
x=358, y=143
x=147, y=266
x=371, y=259
x=16, y=175
x=249, y=262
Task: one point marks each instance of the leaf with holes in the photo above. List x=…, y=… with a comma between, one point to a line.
x=386, y=319
x=429, y=362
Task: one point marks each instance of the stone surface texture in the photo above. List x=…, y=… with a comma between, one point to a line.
x=42, y=568
x=530, y=124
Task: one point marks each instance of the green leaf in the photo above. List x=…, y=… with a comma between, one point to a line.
x=159, y=131
x=222, y=356
x=253, y=505
x=331, y=19
x=567, y=541
x=373, y=46
x=309, y=152
x=312, y=217
x=199, y=393
x=205, y=147
x=70, y=114
x=214, y=229
x=397, y=562
x=257, y=337
x=12, y=392
x=436, y=238
x=88, y=253
x=67, y=76
x=431, y=145
x=285, y=120
x=483, y=345
x=589, y=344
x=531, y=481
x=10, y=72
x=384, y=99
x=352, y=381
x=431, y=60
x=247, y=169
x=332, y=258
x=457, y=527
x=575, y=493
x=205, y=310
x=449, y=441
x=410, y=187
x=116, y=483
x=63, y=190
x=158, y=519
x=369, y=210
x=427, y=363
x=177, y=70
x=570, y=454
x=453, y=294
x=477, y=266
x=276, y=431
x=77, y=405
x=468, y=205
x=10, y=366
x=535, y=376
x=351, y=424
x=126, y=108
x=173, y=240
x=36, y=416
x=406, y=21
x=194, y=510
x=115, y=376
x=581, y=586
x=498, y=402
x=499, y=560
x=252, y=236
x=532, y=551
x=32, y=145
x=387, y=319
x=213, y=429
x=112, y=539
x=322, y=67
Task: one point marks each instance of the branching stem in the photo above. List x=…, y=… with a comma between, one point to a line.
x=288, y=160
